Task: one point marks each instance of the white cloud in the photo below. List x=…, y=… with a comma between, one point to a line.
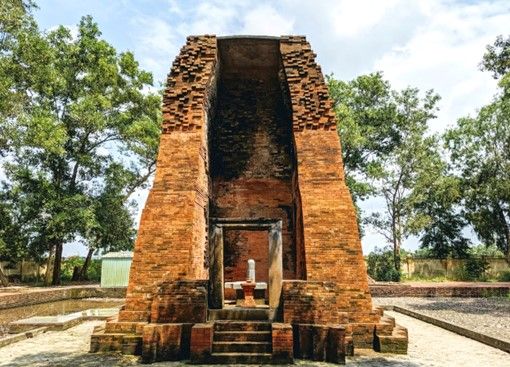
x=444, y=55
x=265, y=20
x=155, y=45
x=352, y=18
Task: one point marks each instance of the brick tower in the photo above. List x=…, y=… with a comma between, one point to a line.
x=249, y=167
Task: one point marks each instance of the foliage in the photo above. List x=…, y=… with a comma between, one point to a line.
x=422, y=253
x=385, y=150
x=504, y=276
x=441, y=232
x=407, y=171
x=479, y=149
x=380, y=265
x=72, y=262
x=497, y=60
x=81, y=117
x=474, y=269
x=365, y=109
x=485, y=251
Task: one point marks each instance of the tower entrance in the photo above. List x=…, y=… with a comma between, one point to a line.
x=273, y=230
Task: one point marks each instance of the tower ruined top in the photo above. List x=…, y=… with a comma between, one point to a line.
x=190, y=79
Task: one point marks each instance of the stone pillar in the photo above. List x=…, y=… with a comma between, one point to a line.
x=320, y=340
x=283, y=345
x=250, y=275
x=335, y=352
x=201, y=342
x=161, y=342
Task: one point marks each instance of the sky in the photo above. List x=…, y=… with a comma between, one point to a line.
x=429, y=44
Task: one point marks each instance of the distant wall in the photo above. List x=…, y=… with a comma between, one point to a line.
x=24, y=270
x=34, y=296
x=436, y=267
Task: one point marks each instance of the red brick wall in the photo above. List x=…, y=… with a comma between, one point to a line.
x=182, y=301
x=317, y=302
x=241, y=246
x=332, y=244
x=172, y=237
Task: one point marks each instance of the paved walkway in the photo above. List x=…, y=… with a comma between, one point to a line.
x=429, y=346
x=489, y=316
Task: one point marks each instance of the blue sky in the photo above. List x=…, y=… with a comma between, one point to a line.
x=426, y=44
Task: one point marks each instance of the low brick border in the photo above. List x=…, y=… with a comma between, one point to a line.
x=44, y=295
x=14, y=338
x=479, y=337
x=464, y=291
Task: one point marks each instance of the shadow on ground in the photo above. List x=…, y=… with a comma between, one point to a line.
x=61, y=359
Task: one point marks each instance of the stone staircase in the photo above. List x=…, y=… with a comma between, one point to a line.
x=241, y=342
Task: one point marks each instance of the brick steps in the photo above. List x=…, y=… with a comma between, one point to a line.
x=116, y=342
x=249, y=336
x=244, y=314
x=246, y=341
x=240, y=358
x=241, y=347
x=242, y=326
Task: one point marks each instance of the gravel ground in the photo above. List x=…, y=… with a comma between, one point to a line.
x=489, y=316
x=428, y=346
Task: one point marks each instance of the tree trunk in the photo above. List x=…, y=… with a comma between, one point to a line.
x=396, y=244
x=57, y=266
x=502, y=217
x=49, y=267
x=86, y=264
x=3, y=279
x=396, y=255
x=21, y=270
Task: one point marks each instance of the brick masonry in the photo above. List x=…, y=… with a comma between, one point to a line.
x=249, y=131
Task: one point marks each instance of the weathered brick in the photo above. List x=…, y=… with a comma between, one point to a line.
x=249, y=132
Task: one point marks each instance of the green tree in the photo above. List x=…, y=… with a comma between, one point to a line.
x=366, y=112
x=83, y=108
x=497, y=58
x=19, y=227
x=15, y=19
x=441, y=222
x=480, y=151
x=406, y=169
x=113, y=222
x=385, y=151
x=380, y=265
x=399, y=186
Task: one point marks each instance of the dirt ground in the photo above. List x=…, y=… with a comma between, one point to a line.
x=428, y=346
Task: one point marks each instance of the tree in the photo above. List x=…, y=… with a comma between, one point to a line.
x=497, y=58
x=369, y=131
x=84, y=107
x=113, y=222
x=385, y=151
x=15, y=19
x=441, y=220
x=399, y=186
x=480, y=151
x=19, y=228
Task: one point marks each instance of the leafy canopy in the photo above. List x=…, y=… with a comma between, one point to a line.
x=75, y=116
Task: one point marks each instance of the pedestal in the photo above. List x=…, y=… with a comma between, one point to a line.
x=248, y=290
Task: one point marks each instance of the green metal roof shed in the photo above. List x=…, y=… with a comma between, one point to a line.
x=115, y=269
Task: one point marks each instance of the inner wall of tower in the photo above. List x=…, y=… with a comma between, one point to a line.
x=252, y=157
